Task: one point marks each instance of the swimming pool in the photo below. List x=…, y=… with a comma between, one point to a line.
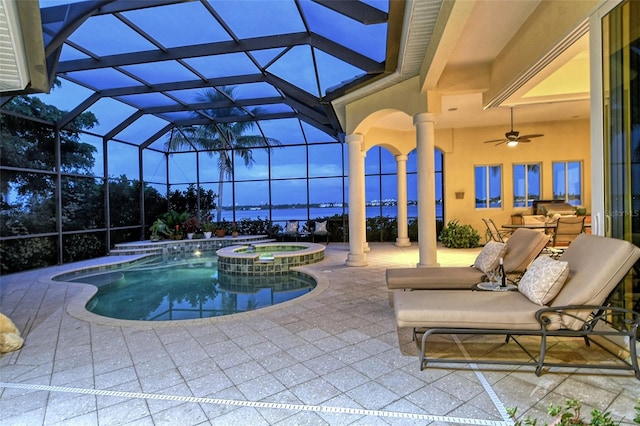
x=186, y=288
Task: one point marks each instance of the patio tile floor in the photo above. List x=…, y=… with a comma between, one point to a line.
x=334, y=356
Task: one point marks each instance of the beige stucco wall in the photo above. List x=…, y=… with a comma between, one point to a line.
x=464, y=148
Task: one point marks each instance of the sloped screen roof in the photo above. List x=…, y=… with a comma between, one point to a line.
x=144, y=67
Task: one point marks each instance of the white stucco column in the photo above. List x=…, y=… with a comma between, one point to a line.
x=403, y=227
x=357, y=213
x=427, y=238
x=363, y=219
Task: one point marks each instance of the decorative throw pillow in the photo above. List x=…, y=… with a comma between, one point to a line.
x=320, y=227
x=543, y=280
x=292, y=226
x=489, y=258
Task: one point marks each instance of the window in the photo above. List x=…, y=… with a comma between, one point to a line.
x=488, y=186
x=526, y=184
x=567, y=182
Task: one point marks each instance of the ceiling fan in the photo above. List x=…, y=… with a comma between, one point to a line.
x=512, y=137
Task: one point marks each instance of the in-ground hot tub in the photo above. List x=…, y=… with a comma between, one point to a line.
x=268, y=258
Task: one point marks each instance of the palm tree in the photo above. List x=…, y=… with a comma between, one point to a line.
x=222, y=138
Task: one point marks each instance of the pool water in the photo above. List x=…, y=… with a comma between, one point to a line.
x=188, y=289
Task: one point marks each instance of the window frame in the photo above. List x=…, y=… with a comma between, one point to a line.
x=566, y=198
x=487, y=182
x=528, y=202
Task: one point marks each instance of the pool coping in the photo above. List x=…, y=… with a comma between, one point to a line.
x=76, y=306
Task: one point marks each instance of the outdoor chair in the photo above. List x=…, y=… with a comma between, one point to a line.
x=320, y=230
x=493, y=233
x=518, y=252
x=555, y=298
x=291, y=230
x=567, y=229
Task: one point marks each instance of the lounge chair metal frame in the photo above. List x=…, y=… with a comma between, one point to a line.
x=493, y=233
x=628, y=331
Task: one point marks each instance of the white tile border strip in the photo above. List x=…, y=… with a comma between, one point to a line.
x=258, y=404
x=485, y=384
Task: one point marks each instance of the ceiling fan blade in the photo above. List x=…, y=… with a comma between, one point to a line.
x=523, y=140
x=503, y=140
x=537, y=135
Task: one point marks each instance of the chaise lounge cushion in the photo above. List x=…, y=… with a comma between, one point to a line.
x=521, y=248
x=465, y=309
x=593, y=273
x=451, y=277
x=489, y=258
x=543, y=280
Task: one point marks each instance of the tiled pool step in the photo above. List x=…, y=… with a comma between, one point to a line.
x=184, y=246
x=133, y=251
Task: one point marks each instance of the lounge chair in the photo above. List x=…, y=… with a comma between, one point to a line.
x=320, y=230
x=567, y=229
x=593, y=267
x=522, y=247
x=291, y=230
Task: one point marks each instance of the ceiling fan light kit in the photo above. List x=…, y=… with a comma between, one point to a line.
x=512, y=137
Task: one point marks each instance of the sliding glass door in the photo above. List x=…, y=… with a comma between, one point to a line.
x=621, y=83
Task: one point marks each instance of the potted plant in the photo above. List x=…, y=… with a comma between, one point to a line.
x=208, y=227
x=175, y=233
x=158, y=228
x=190, y=226
x=220, y=231
x=234, y=230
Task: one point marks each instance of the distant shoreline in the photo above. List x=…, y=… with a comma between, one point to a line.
x=283, y=213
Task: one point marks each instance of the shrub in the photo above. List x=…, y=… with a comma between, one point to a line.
x=570, y=415
x=455, y=235
x=257, y=226
x=381, y=228
x=191, y=225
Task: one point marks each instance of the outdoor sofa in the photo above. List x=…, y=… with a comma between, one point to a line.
x=521, y=248
x=583, y=278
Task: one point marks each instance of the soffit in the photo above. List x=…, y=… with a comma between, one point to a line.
x=489, y=28
x=13, y=58
x=21, y=56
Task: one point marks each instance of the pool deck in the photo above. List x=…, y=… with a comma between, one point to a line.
x=332, y=357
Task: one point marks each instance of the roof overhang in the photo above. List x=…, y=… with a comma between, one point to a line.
x=22, y=59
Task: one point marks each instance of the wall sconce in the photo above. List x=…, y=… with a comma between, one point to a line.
x=460, y=195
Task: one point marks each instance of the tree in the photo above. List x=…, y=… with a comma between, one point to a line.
x=31, y=145
x=187, y=201
x=222, y=138
x=27, y=156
